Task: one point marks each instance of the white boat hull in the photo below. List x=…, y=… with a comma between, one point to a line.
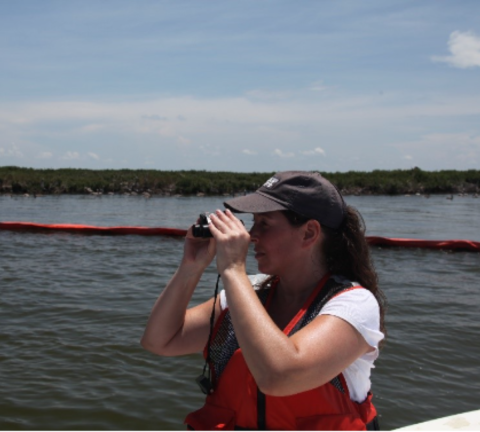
x=463, y=422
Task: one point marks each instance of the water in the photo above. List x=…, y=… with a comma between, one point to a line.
x=73, y=309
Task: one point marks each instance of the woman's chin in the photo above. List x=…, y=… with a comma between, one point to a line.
x=265, y=269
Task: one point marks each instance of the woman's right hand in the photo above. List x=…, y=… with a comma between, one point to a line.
x=198, y=251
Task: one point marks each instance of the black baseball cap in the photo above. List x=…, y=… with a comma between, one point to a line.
x=306, y=193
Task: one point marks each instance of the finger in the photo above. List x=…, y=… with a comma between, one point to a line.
x=226, y=223
x=228, y=218
x=215, y=224
x=234, y=219
x=221, y=215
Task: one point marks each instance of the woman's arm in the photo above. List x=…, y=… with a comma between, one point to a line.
x=172, y=329
x=283, y=365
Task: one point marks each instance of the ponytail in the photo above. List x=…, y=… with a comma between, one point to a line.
x=347, y=253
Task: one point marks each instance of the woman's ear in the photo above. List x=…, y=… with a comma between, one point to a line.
x=312, y=232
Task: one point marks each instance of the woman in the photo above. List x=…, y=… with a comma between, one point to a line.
x=296, y=352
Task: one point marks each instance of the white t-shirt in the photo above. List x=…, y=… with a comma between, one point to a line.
x=359, y=308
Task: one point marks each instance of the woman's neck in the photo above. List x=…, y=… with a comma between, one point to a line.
x=297, y=287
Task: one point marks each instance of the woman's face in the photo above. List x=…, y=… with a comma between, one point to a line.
x=276, y=242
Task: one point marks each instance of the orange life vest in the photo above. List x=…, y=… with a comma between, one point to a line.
x=237, y=403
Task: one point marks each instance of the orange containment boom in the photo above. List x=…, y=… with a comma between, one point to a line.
x=89, y=229
x=463, y=245
x=460, y=245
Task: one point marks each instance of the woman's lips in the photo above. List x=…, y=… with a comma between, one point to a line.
x=258, y=255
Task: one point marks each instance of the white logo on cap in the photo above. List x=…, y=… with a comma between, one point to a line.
x=270, y=182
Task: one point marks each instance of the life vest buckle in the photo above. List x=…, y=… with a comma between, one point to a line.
x=205, y=384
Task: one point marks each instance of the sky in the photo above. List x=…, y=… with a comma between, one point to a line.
x=243, y=86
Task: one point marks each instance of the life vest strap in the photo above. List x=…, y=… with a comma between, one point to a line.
x=261, y=410
x=373, y=425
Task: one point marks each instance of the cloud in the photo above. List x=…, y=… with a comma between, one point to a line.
x=11, y=151
x=183, y=141
x=45, y=155
x=93, y=156
x=154, y=117
x=210, y=150
x=280, y=153
x=315, y=151
x=220, y=115
x=92, y=128
x=465, y=49
x=223, y=126
x=267, y=95
x=444, y=149
x=71, y=156
x=453, y=141
x=318, y=86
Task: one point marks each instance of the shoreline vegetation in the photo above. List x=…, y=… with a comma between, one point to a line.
x=18, y=181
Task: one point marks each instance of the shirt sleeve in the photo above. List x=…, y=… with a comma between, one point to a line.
x=360, y=308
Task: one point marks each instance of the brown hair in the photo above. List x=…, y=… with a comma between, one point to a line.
x=347, y=254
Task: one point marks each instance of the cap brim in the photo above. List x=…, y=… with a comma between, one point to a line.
x=253, y=203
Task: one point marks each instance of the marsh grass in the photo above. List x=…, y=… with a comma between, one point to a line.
x=18, y=180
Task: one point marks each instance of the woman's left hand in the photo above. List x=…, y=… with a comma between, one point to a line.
x=232, y=241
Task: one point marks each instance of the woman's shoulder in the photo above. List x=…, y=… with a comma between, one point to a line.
x=356, y=301
x=359, y=307
x=353, y=291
